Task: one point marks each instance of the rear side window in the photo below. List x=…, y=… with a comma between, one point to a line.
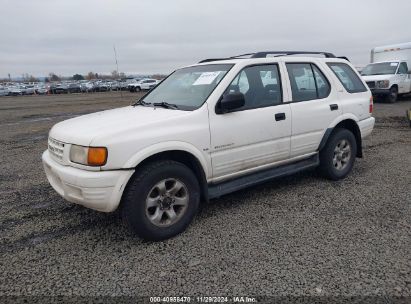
x=323, y=87
x=307, y=82
x=349, y=79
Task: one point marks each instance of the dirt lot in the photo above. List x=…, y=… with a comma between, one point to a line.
x=300, y=235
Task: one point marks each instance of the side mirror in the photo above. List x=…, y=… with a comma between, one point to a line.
x=230, y=102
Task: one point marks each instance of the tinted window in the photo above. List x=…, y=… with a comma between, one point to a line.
x=307, y=82
x=349, y=79
x=403, y=69
x=260, y=85
x=323, y=86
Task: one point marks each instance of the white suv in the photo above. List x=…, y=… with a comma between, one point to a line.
x=210, y=129
x=144, y=84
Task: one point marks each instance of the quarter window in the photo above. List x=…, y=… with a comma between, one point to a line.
x=260, y=85
x=307, y=82
x=323, y=86
x=349, y=79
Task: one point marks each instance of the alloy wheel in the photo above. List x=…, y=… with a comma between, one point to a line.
x=342, y=154
x=167, y=202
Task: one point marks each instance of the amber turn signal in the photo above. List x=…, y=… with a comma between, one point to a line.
x=97, y=156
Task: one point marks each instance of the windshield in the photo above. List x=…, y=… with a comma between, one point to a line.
x=188, y=88
x=383, y=68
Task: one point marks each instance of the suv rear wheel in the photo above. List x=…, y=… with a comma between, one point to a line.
x=161, y=200
x=338, y=156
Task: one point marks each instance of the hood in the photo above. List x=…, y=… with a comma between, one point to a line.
x=377, y=77
x=82, y=130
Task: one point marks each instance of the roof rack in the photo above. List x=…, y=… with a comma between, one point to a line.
x=276, y=53
x=287, y=53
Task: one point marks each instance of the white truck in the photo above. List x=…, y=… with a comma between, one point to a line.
x=389, y=73
x=210, y=129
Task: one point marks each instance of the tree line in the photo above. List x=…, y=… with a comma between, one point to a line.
x=89, y=76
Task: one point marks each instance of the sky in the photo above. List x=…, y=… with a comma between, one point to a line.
x=77, y=36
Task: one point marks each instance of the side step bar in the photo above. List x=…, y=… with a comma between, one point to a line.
x=217, y=190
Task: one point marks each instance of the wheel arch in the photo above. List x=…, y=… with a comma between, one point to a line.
x=349, y=124
x=187, y=156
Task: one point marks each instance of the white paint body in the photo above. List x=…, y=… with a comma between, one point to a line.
x=226, y=145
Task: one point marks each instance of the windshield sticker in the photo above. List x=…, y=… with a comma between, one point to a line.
x=394, y=63
x=206, y=78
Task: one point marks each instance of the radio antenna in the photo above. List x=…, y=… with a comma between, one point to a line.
x=118, y=75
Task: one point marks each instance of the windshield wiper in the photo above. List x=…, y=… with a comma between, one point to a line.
x=165, y=105
x=142, y=103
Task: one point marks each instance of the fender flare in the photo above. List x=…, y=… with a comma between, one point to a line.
x=152, y=150
x=331, y=128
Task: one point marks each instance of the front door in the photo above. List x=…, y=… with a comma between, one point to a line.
x=403, y=78
x=257, y=134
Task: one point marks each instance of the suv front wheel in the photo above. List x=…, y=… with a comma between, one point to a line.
x=338, y=156
x=161, y=200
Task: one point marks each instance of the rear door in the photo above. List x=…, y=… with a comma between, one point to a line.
x=352, y=91
x=314, y=106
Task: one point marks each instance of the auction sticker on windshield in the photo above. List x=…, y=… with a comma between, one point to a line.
x=206, y=78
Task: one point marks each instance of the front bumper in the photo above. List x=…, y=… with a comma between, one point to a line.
x=380, y=91
x=98, y=190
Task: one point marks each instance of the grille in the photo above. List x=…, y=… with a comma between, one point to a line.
x=371, y=84
x=56, y=149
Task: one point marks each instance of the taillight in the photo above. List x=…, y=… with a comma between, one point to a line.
x=371, y=105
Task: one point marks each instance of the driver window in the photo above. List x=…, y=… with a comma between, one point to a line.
x=403, y=69
x=260, y=85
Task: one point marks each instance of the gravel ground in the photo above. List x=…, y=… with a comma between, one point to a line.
x=301, y=235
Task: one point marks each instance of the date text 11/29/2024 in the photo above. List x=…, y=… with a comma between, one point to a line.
x=203, y=299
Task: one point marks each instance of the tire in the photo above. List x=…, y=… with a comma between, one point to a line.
x=148, y=200
x=137, y=89
x=393, y=96
x=338, y=156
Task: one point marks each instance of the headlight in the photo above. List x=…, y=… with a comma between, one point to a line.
x=89, y=156
x=383, y=84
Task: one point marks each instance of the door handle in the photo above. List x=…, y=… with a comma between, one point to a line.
x=333, y=107
x=280, y=116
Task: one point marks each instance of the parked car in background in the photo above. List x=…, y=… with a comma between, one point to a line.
x=74, y=88
x=87, y=87
x=28, y=89
x=123, y=85
x=114, y=86
x=4, y=91
x=15, y=91
x=144, y=84
x=41, y=89
x=102, y=86
x=389, y=75
x=59, y=89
